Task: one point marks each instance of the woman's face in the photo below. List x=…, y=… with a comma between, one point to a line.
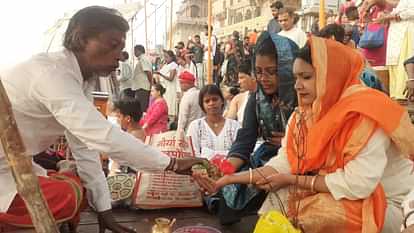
x=305, y=81
x=155, y=93
x=213, y=104
x=266, y=73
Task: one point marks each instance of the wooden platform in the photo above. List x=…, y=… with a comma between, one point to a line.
x=142, y=220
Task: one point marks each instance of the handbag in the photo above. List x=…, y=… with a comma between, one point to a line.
x=373, y=36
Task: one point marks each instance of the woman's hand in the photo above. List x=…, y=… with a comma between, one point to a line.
x=275, y=182
x=106, y=220
x=208, y=185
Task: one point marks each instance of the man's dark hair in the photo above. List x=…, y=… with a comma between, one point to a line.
x=210, y=89
x=181, y=43
x=125, y=55
x=334, y=30
x=140, y=48
x=246, y=37
x=277, y=5
x=89, y=22
x=288, y=10
x=246, y=67
x=197, y=36
x=128, y=106
x=236, y=34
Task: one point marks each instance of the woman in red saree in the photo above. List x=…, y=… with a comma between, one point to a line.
x=343, y=164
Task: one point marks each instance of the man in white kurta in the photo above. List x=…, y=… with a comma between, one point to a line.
x=50, y=96
x=289, y=29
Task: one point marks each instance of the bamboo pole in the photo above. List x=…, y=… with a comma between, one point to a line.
x=322, y=18
x=170, y=45
x=27, y=183
x=209, y=60
x=146, y=27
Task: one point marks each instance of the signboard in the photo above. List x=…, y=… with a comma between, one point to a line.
x=156, y=190
x=314, y=4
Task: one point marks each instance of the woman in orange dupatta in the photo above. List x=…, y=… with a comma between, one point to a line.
x=343, y=164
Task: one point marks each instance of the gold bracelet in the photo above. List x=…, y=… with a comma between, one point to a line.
x=250, y=176
x=312, y=188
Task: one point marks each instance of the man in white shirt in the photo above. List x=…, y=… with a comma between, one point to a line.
x=142, y=80
x=189, y=107
x=124, y=76
x=50, y=96
x=289, y=29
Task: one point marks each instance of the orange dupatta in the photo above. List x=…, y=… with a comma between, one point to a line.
x=341, y=121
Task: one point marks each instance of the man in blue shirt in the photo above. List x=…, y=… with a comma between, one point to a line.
x=273, y=26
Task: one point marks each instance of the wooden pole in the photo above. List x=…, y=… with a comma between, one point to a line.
x=27, y=182
x=322, y=18
x=146, y=26
x=170, y=45
x=209, y=60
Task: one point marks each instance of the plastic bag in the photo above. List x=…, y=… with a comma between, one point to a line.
x=274, y=222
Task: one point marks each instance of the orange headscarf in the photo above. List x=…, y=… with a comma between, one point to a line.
x=341, y=121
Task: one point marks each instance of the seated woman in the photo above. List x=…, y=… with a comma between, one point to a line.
x=155, y=120
x=213, y=133
x=342, y=166
x=265, y=117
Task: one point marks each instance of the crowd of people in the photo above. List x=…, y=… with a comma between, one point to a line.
x=304, y=118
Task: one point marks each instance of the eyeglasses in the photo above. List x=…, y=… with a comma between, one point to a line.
x=267, y=72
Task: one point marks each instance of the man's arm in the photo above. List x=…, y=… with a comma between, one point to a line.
x=147, y=68
x=89, y=169
x=68, y=104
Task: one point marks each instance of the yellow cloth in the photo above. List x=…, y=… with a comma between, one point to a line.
x=398, y=75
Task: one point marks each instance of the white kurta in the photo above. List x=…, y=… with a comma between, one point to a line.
x=295, y=34
x=206, y=143
x=399, y=30
x=50, y=98
x=378, y=161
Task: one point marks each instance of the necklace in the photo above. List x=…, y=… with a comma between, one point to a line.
x=214, y=124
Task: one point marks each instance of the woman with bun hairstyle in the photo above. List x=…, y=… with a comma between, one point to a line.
x=155, y=120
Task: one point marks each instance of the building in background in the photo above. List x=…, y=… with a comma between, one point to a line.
x=244, y=15
x=310, y=12
x=190, y=19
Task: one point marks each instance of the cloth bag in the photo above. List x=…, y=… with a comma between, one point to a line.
x=373, y=36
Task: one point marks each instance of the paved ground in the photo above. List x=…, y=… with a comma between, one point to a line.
x=142, y=220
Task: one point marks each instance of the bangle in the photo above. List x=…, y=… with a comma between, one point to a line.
x=250, y=176
x=407, y=216
x=312, y=186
